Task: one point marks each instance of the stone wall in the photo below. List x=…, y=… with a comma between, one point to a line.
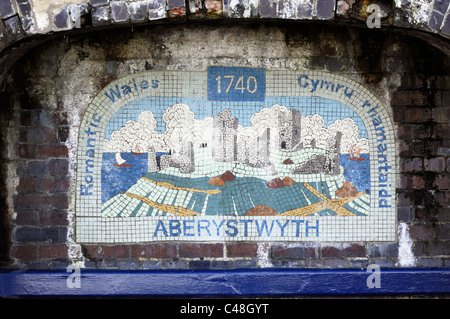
x=22, y=18
x=46, y=92
x=27, y=20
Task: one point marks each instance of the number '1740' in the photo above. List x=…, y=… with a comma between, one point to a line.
x=250, y=85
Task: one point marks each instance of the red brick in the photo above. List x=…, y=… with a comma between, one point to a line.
x=293, y=251
x=33, y=201
x=417, y=182
x=445, y=95
x=442, y=198
x=42, y=201
x=417, y=148
x=104, y=251
x=442, y=131
x=26, y=185
x=411, y=81
x=399, y=114
x=423, y=131
x=441, y=114
x=37, y=135
x=45, y=184
x=443, y=214
x=61, y=184
x=32, y=234
x=25, y=217
x=50, y=135
x=431, y=248
x=154, y=251
x=402, y=182
x=353, y=250
x=422, y=231
x=52, y=218
x=23, y=135
x=417, y=115
x=53, y=251
x=92, y=251
x=442, y=82
x=26, y=151
x=55, y=184
x=58, y=167
x=405, y=131
x=117, y=251
x=403, y=148
x=408, y=98
x=444, y=231
x=435, y=164
x=201, y=250
x=442, y=182
x=52, y=151
x=25, y=252
x=242, y=250
x=36, y=168
x=426, y=214
x=412, y=164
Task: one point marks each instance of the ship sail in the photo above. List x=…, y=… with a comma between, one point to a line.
x=350, y=150
x=119, y=159
x=354, y=152
x=137, y=151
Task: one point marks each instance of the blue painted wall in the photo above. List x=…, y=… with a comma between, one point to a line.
x=231, y=283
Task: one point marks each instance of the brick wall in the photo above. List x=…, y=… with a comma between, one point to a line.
x=39, y=226
x=50, y=88
x=420, y=108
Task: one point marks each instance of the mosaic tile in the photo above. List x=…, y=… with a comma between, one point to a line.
x=235, y=154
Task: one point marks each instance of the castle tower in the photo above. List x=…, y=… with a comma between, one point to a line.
x=187, y=164
x=225, y=136
x=289, y=130
x=284, y=135
x=331, y=165
x=263, y=147
x=296, y=125
x=151, y=160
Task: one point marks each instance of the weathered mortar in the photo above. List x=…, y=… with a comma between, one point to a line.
x=61, y=78
x=5, y=199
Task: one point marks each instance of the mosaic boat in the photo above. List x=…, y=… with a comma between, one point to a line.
x=120, y=161
x=137, y=151
x=354, y=153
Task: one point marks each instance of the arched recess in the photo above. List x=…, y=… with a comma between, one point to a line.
x=422, y=65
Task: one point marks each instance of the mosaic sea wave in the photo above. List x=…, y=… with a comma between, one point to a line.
x=133, y=191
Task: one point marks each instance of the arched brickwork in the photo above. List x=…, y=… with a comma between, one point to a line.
x=29, y=20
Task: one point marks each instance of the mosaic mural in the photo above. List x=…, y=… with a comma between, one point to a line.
x=235, y=154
